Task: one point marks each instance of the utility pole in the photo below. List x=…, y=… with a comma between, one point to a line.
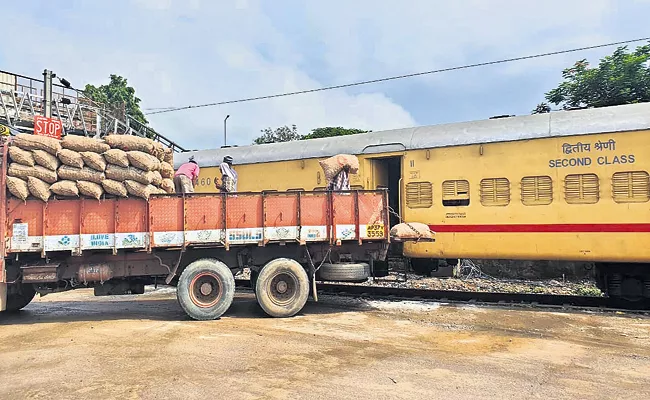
x=47, y=93
x=224, y=129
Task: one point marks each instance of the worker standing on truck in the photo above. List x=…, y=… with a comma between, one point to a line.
x=186, y=176
x=341, y=181
x=228, y=175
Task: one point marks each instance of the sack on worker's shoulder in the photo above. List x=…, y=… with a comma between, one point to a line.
x=333, y=165
x=411, y=231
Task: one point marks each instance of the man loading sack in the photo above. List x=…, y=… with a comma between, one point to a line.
x=338, y=169
x=185, y=177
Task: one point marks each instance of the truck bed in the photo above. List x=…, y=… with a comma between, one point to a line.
x=205, y=220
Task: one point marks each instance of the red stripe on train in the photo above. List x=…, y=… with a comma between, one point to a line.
x=541, y=228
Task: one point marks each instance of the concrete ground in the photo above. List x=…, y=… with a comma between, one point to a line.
x=73, y=345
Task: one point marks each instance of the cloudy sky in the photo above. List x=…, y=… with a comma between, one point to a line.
x=181, y=52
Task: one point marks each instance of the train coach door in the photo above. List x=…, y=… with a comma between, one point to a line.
x=386, y=173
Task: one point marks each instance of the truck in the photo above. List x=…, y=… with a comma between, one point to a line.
x=196, y=242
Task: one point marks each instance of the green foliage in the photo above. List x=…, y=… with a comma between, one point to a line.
x=281, y=134
x=621, y=78
x=286, y=134
x=542, y=108
x=118, y=97
x=331, y=131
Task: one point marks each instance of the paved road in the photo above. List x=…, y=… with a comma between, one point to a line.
x=73, y=345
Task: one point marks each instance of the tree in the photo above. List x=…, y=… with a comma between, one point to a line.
x=118, y=97
x=542, y=108
x=621, y=78
x=281, y=134
x=331, y=131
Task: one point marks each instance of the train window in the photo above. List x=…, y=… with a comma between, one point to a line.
x=495, y=192
x=455, y=193
x=581, y=189
x=536, y=190
x=631, y=187
x=419, y=195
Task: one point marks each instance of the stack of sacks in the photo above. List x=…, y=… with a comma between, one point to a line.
x=76, y=166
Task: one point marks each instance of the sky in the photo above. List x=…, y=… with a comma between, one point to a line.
x=182, y=52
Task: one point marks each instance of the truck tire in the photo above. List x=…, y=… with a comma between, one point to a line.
x=206, y=289
x=345, y=272
x=19, y=296
x=282, y=288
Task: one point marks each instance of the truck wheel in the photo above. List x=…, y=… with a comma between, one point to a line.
x=282, y=288
x=19, y=296
x=345, y=272
x=206, y=289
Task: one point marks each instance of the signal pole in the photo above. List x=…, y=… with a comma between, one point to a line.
x=47, y=92
x=224, y=129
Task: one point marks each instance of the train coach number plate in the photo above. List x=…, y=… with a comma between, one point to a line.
x=375, y=231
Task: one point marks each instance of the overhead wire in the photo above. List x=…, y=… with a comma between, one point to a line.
x=161, y=110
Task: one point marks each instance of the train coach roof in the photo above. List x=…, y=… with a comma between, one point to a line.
x=562, y=123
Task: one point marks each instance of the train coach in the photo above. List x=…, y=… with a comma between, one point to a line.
x=569, y=185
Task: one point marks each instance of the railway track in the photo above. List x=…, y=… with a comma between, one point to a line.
x=488, y=298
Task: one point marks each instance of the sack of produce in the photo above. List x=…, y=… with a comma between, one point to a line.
x=20, y=156
x=411, y=231
x=82, y=143
x=143, y=161
x=133, y=174
x=92, y=189
x=45, y=159
x=158, y=151
x=38, y=188
x=129, y=143
x=169, y=156
x=156, y=178
x=94, y=160
x=115, y=188
x=37, y=171
x=65, y=188
x=168, y=185
x=166, y=170
x=117, y=157
x=17, y=187
x=80, y=174
x=333, y=165
x=32, y=142
x=140, y=190
x=71, y=158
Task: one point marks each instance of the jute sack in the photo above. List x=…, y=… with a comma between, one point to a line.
x=168, y=185
x=94, y=160
x=169, y=156
x=17, y=187
x=115, y=188
x=143, y=161
x=133, y=174
x=38, y=188
x=117, y=157
x=166, y=170
x=91, y=189
x=333, y=165
x=139, y=190
x=156, y=178
x=159, y=151
x=32, y=142
x=45, y=159
x=37, y=171
x=20, y=156
x=411, y=230
x=71, y=158
x=65, y=188
x=80, y=174
x=129, y=143
x=82, y=143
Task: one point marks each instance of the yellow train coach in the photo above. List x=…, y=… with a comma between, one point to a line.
x=570, y=185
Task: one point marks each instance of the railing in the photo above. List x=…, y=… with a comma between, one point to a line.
x=21, y=98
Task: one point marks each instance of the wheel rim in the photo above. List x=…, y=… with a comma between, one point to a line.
x=206, y=289
x=283, y=288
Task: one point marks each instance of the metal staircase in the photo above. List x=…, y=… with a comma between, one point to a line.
x=22, y=98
